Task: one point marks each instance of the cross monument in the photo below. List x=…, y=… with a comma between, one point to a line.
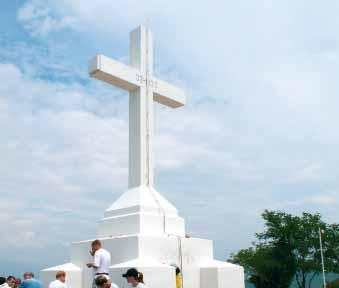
x=143, y=89
x=141, y=228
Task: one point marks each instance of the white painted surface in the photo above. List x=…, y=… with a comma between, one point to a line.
x=145, y=199
x=153, y=256
x=155, y=274
x=141, y=210
x=141, y=228
x=73, y=275
x=221, y=274
x=144, y=89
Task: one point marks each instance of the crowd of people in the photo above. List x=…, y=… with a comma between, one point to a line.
x=100, y=266
x=13, y=282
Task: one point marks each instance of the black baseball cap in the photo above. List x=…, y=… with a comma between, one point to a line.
x=131, y=273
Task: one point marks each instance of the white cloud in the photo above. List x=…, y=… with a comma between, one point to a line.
x=324, y=199
x=60, y=148
x=259, y=130
x=38, y=18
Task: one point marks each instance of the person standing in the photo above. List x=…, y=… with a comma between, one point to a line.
x=17, y=282
x=178, y=277
x=30, y=282
x=3, y=283
x=10, y=282
x=60, y=281
x=134, y=278
x=101, y=261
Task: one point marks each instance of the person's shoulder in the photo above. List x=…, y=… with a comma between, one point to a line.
x=141, y=285
x=57, y=284
x=34, y=283
x=25, y=282
x=113, y=285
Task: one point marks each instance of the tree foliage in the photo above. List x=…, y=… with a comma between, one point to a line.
x=333, y=284
x=267, y=266
x=289, y=249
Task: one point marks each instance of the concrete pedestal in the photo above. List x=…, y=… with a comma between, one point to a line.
x=142, y=229
x=151, y=249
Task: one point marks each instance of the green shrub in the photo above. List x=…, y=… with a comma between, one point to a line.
x=333, y=284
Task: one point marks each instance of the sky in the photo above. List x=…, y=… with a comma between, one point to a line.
x=259, y=131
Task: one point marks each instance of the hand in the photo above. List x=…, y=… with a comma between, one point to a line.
x=89, y=265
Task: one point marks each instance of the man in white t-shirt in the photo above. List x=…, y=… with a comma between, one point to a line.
x=60, y=280
x=101, y=261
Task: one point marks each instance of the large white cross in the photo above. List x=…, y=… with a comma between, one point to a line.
x=143, y=89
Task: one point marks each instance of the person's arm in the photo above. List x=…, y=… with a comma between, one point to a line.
x=96, y=262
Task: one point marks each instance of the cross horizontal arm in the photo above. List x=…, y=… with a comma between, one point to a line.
x=169, y=95
x=114, y=73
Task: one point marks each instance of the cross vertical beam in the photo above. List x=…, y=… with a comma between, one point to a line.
x=141, y=111
x=144, y=89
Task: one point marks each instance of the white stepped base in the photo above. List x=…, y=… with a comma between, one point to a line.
x=141, y=223
x=73, y=272
x=141, y=210
x=153, y=255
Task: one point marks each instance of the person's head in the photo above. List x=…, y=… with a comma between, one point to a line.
x=61, y=276
x=134, y=277
x=96, y=245
x=177, y=271
x=101, y=281
x=10, y=281
x=2, y=280
x=17, y=282
x=28, y=275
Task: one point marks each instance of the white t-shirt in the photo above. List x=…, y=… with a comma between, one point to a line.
x=102, y=260
x=141, y=285
x=57, y=284
x=114, y=285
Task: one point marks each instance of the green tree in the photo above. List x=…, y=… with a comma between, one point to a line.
x=298, y=237
x=333, y=284
x=267, y=266
x=331, y=240
x=301, y=235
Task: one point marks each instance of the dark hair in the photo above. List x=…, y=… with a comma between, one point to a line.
x=10, y=278
x=177, y=271
x=2, y=280
x=29, y=274
x=100, y=281
x=96, y=242
x=140, y=278
x=60, y=274
x=134, y=273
